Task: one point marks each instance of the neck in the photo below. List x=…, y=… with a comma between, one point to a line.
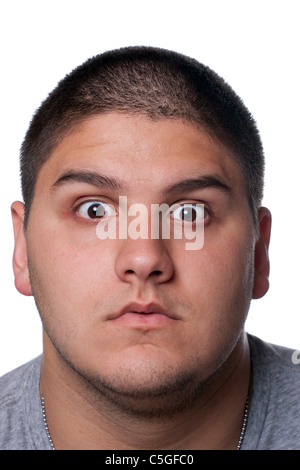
x=78, y=418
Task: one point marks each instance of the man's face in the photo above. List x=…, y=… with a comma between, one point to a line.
x=92, y=293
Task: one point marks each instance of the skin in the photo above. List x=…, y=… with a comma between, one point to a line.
x=127, y=383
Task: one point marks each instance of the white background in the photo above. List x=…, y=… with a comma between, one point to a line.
x=253, y=44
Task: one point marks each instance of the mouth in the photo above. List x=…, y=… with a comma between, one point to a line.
x=144, y=315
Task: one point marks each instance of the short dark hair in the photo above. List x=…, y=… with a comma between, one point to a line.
x=146, y=81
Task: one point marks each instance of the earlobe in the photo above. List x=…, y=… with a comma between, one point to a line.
x=261, y=263
x=20, y=261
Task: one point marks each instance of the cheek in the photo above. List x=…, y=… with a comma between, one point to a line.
x=70, y=274
x=219, y=279
x=69, y=284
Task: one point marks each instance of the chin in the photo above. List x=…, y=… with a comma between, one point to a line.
x=148, y=391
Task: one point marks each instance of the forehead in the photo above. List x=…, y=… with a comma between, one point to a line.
x=137, y=150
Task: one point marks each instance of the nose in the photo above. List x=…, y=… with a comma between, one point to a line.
x=144, y=260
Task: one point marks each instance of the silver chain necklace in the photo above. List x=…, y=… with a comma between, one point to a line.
x=243, y=430
x=244, y=424
x=45, y=423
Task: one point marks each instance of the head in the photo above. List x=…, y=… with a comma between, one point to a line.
x=139, y=318
x=151, y=82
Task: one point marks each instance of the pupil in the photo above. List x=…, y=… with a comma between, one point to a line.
x=189, y=214
x=96, y=210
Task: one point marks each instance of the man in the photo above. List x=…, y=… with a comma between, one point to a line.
x=144, y=341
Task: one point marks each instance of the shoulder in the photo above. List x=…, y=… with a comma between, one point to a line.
x=18, y=391
x=279, y=360
x=275, y=400
x=263, y=352
x=12, y=384
x=281, y=365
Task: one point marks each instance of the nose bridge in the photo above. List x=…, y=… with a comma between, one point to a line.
x=144, y=259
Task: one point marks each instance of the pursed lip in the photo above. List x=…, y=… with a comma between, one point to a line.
x=144, y=309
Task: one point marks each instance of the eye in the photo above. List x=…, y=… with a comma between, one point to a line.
x=95, y=210
x=188, y=212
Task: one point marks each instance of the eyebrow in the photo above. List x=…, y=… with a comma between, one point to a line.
x=114, y=184
x=89, y=177
x=201, y=182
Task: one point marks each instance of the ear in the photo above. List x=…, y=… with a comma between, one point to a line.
x=20, y=262
x=261, y=263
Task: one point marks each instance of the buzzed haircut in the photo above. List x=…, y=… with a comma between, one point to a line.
x=152, y=82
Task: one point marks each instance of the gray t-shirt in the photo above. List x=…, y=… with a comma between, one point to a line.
x=274, y=419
